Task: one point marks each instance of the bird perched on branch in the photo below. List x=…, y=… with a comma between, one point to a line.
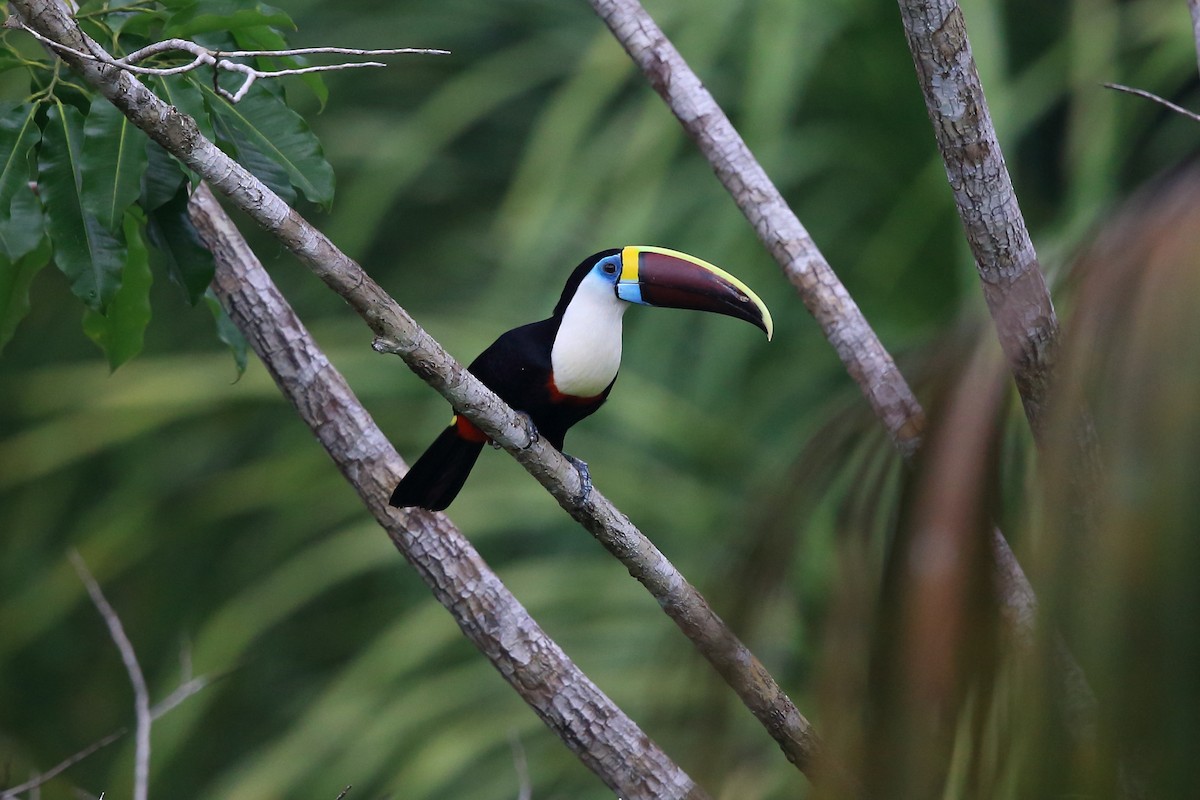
x=561, y=369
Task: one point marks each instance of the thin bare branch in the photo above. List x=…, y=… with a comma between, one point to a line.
x=219, y=60
x=343, y=792
x=33, y=783
x=141, y=696
x=1151, y=96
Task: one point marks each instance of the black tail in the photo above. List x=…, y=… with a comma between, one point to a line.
x=434, y=481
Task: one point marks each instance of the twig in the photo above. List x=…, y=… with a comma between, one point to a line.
x=141, y=697
x=219, y=60
x=343, y=792
x=62, y=766
x=1151, y=96
x=524, y=788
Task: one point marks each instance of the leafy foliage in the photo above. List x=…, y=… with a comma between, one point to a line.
x=92, y=166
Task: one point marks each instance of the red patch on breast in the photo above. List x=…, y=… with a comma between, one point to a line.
x=467, y=429
x=558, y=397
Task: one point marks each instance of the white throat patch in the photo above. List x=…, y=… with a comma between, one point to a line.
x=587, y=349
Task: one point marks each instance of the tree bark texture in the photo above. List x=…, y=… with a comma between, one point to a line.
x=1013, y=284
x=865, y=358
x=591, y=725
x=398, y=333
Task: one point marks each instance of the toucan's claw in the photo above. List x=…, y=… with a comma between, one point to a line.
x=530, y=429
x=585, y=477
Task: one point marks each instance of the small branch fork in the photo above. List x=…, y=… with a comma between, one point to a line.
x=221, y=59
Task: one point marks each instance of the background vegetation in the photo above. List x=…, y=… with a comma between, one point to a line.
x=469, y=185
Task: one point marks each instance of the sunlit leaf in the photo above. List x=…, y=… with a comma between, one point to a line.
x=113, y=160
x=227, y=332
x=262, y=125
x=121, y=329
x=89, y=255
x=15, y=279
x=189, y=263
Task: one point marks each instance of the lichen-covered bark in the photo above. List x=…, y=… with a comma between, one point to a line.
x=864, y=356
x=1013, y=284
x=589, y=723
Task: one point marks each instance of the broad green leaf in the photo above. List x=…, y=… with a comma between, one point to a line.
x=120, y=330
x=18, y=135
x=224, y=15
x=264, y=38
x=24, y=226
x=113, y=159
x=89, y=255
x=189, y=263
x=262, y=122
x=227, y=332
x=162, y=178
x=15, y=279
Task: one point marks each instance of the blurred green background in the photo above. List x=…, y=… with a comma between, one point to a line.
x=469, y=186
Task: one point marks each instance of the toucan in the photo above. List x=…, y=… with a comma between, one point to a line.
x=561, y=369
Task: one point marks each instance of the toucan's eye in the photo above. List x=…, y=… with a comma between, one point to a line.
x=610, y=268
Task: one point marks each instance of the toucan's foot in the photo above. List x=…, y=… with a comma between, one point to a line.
x=585, y=477
x=530, y=428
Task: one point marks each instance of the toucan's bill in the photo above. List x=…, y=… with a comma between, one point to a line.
x=656, y=276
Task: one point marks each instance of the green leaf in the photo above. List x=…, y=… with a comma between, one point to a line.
x=21, y=224
x=18, y=136
x=15, y=279
x=120, y=330
x=189, y=262
x=113, y=159
x=262, y=123
x=162, y=178
x=89, y=255
x=227, y=332
x=224, y=15
x=23, y=227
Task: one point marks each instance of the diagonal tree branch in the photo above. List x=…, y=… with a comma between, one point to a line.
x=1013, y=284
x=398, y=333
x=603, y=737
